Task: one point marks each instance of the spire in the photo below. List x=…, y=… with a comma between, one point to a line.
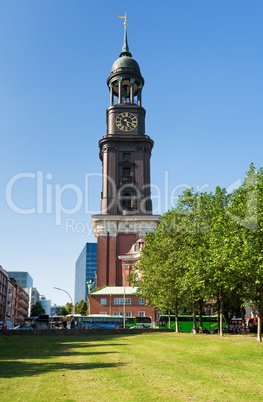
x=125, y=47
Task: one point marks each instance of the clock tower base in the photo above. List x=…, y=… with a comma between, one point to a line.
x=115, y=236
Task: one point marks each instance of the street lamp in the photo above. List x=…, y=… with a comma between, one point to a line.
x=72, y=308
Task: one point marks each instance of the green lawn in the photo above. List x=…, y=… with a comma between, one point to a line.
x=145, y=367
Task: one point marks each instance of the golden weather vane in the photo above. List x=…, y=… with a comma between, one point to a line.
x=125, y=20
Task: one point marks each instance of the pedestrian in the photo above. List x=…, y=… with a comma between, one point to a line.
x=72, y=323
x=34, y=325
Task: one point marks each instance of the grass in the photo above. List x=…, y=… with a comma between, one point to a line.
x=145, y=367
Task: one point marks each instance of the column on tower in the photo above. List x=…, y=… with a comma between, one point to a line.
x=132, y=81
x=111, y=94
x=120, y=90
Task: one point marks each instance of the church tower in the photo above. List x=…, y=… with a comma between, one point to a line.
x=125, y=152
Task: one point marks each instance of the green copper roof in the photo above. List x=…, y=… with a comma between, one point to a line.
x=125, y=47
x=125, y=63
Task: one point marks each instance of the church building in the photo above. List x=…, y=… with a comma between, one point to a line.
x=126, y=206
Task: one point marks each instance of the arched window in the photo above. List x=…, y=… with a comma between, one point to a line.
x=128, y=201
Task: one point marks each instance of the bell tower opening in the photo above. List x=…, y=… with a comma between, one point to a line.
x=129, y=200
x=124, y=90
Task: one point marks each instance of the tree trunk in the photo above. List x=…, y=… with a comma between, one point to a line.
x=260, y=308
x=194, y=330
x=243, y=312
x=200, y=305
x=218, y=311
x=169, y=319
x=259, y=334
x=221, y=315
x=176, y=316
x=176, y=323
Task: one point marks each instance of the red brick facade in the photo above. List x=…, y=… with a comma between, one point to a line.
x=3, y=293
x=101, y=303
x=109, y=271
x=120, y=239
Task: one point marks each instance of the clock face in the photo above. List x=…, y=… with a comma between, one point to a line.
x=126, y=121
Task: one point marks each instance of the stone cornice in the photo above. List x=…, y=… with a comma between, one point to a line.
x=114, y=224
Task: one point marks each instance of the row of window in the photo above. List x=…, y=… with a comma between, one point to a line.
x=2, y=289
x=119, y=301
x=127, y=313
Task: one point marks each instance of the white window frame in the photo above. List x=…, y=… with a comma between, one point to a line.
x=120, y=313
x=118, y=301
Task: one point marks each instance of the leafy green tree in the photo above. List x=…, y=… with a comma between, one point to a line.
x=68, y=308
x=221, y=267
x=81, y=307
x=64, y=311
x=246, y=210
x=37, y=309
x=209, y=246
x=157, y=279
x=210, y=251
x=195, y=211
x=172, y=264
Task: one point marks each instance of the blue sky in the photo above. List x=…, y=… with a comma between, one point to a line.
x=202, y=61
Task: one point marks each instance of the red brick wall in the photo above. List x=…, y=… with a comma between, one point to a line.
x=110, y=308
x=3, y=292
x=106, y=265
x=109, y=266
x=124, y=244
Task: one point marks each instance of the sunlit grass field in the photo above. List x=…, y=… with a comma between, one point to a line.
x=145, y=367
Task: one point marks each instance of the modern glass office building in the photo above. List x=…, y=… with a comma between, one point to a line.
x=85, y=271
x=46, y=304
x=23, y=278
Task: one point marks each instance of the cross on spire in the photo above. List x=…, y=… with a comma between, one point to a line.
x=125, y=48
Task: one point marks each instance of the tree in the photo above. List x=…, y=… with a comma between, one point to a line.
x=37, y=309
x=64, y=311
x=81, y=307
x=158, y=279
x=221, y=267
x=246, y=210
x=195, y=210
x=209, y=246
x=171, y=269
x=68, y=308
